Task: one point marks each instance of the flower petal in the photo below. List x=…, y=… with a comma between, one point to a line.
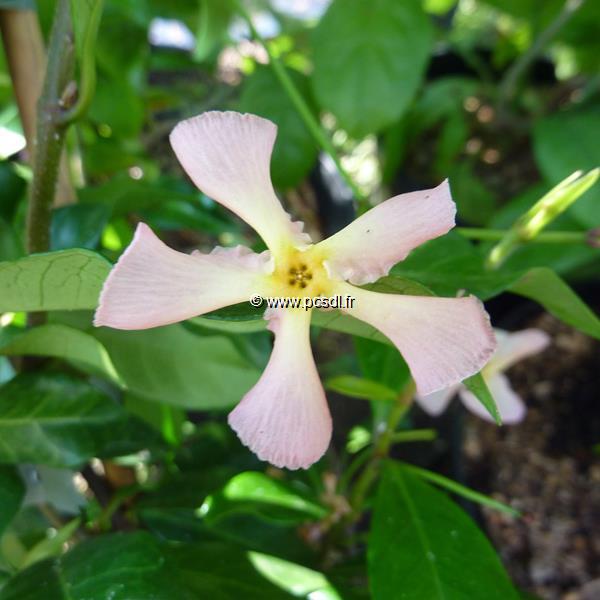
x=371, y=245
x=284, y=418
x=153, y=285
x=510, y=406
x=443, y=340
x=513, y=347
x=435, y=404
x=228, y=156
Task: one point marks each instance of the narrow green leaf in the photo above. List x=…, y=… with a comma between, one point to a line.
x=461, y=490
x=63, y=280
x=478, y=387
x=425, y=546
x=358, y=387
x=51, y=546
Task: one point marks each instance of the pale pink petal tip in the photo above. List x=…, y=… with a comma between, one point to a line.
x=443, y=340
x=153, y=285
x=284, y=418
x=371, y=245
x=228, y=156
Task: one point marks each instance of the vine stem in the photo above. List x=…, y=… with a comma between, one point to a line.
x=508, y=84
x=57, y=94
x=380, y=452
x=26, y=60
x=313, y=126
x=546, y=237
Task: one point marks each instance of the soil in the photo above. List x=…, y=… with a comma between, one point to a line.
x=547, y=467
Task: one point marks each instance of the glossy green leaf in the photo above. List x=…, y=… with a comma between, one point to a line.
x=254, y=491
x=12, y=492
x=62, y=341
x=295, y=151
x=426, y=547
x=63, y=280
x=56, y=420
x=78, y=225
x=172, y=365
x=369, y=58
x=128, y=566
x=358, y=387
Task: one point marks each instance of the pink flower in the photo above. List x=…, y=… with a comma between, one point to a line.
x=512, y=347
x=284, y=418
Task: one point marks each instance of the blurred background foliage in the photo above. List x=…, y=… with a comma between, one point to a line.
x=120, y=431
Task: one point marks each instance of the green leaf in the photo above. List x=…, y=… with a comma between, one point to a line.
x=12, y=492
x=478, y=387
x=54, y=420
x=475, y=203
x=63, y=280
x=565, y=142
x=78, y=225
x=369, y=58
x=426, y=546
x=62, y=341
x=548, y=289
x=357, y=387
x=172, y=365
x=254, y=492
x=128, y=566
x=295, y=151
x=52, y=545
x=461, y=490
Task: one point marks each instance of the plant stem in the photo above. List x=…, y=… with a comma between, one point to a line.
x=547, y=237
x=313, y=126
x=50, y=132
x=509, y=82
x=26, y=60
x=380, y=452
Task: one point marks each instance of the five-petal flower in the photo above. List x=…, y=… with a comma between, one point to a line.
x=284, y=418
x=512, y=347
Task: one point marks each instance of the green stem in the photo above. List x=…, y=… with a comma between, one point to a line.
x=509, y=83
x=380, y=452
x=50, y=132
x=547, y=237
x=414, y=435
x=320, y=137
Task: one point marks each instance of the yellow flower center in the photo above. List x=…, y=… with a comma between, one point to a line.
x=299, y=274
